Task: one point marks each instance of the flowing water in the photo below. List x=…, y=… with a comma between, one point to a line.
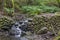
x=15, y=32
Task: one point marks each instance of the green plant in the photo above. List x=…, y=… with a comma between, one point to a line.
x=31, y=9
x=39, y=9
x=9, y=7
x=9, y=11
x=13, y=5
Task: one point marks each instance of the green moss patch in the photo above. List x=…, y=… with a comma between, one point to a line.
x=5, y=22
x=52, y=23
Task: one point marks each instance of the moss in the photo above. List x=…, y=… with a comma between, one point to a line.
x=5, y=22
x=40, y=22
x=57, y=38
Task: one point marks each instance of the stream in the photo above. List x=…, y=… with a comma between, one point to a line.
x=16, y=31
x=20, y=28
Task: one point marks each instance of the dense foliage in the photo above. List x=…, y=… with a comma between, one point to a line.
x=30, y=6
x=39, y=9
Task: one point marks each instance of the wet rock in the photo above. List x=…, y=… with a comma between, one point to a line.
x=4, y=33
x=24, y=38
x=15, y=31
x=50, y=34
x=28, y=33
x=18, y=28
x=43, y=30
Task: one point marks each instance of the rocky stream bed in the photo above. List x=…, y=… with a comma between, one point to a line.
x=37, y=34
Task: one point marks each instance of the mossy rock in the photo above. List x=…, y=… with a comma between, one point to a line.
x=42, y=21
x=5, y=22
x=57, y=13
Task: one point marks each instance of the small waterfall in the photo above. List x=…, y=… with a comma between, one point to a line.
x=17, y=29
